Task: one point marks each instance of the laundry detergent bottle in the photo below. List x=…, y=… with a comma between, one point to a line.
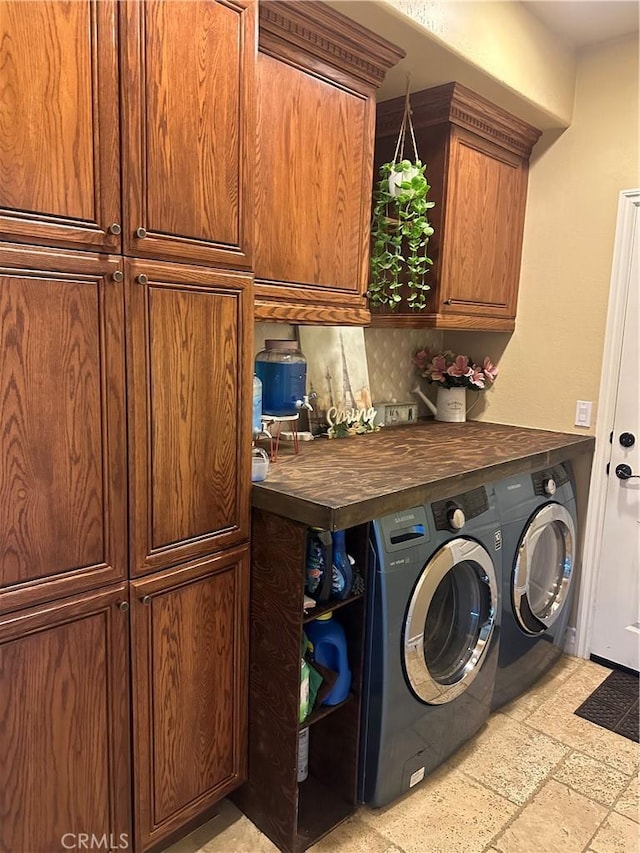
x=330, y=649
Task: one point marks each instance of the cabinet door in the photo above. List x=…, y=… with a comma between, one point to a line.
x=64, y=724
x=313, y=189
x=190, y=638
x=59, y=156
x=190, y=363
x=63, y=518
x=188, y=95
x=486, y=197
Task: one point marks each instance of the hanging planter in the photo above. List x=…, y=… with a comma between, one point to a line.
x=400, y=229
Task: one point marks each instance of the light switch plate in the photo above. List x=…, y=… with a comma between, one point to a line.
x=583, y=413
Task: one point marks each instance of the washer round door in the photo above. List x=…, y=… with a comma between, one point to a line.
x=543, y=568
x=450, y=621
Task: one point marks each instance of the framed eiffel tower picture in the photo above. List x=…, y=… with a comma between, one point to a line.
x=337, y=370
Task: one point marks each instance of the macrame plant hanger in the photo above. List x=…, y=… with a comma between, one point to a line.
x=406, y=122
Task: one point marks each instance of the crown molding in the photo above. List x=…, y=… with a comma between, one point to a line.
x=321, y=33
x=455, y=104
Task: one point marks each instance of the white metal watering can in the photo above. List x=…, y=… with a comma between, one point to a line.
x=451, y=404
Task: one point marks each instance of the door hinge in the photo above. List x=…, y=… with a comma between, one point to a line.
x=611, y=437
x=607, y=468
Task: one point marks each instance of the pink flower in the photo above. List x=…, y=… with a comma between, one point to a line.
x=421, y=359
x=449, y=370
x=460, y=367
x=437, y=369
x=490, y=372
x=477, y=377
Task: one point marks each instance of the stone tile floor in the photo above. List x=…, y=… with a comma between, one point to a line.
x=535, y=779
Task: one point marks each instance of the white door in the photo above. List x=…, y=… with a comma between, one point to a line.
x=616, y=625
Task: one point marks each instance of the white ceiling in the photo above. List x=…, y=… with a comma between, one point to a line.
x=585, y=22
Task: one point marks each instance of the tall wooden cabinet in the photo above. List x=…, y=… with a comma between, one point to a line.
x=317, y=76
x=477, y=158
x=124, y=495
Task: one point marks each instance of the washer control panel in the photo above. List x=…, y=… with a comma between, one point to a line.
x=456, y=517
x=546, y=482
x=453, y=513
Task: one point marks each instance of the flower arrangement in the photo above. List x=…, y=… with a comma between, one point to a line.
x=448, y=370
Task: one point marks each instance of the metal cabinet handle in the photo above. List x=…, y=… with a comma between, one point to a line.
x=448, y=301
x=142, y=278
x=118, y=275
x=124, y=606
x=146, y=600
x=141, y=232
x=115, y=228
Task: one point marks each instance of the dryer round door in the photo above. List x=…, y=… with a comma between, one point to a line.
x=449, y=621
x=543, y=568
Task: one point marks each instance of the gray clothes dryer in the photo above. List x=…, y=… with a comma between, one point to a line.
x=538, y=515
x=431, y=651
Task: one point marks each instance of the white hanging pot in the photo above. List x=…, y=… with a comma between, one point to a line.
x=451, y=405
x=397, y=177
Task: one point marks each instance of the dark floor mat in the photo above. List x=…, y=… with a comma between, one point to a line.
x=615, y=705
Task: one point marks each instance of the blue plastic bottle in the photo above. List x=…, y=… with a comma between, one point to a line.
x=341, y=575
x=257, y=404
x=330, y=650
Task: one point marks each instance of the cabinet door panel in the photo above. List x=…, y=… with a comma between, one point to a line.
x=190, y=339
x=64, y=723
x=189, y=90
x=313, y=193
x=485, y=219
x=190, y=690
x=62, y=457
x=59, y=158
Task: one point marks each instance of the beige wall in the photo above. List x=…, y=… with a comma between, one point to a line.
x=504, y=41
x=554, y=357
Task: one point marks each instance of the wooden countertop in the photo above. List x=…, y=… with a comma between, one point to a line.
x=339, y=483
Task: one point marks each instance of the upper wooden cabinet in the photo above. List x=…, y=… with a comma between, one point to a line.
x=188, y=81
x=186, y=99
x=317, y=76
x=63, y=515
x=59, y=121
x=477, y=158
x=190, y=349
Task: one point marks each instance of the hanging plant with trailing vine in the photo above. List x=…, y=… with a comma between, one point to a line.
x=401, y=229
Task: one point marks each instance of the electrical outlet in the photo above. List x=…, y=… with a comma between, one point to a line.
x=583, y=413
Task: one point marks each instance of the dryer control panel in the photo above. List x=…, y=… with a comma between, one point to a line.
x=472, y=504
x=558, y=474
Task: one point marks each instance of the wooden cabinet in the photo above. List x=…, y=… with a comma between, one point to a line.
x=190, y=347
x=477, y=158
x=317, y=75
x=295, y=815
x=64, y=723
x=187, y=107
x=63, y=510
x=60, y=157
x=188, y=130
x=190, y=690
